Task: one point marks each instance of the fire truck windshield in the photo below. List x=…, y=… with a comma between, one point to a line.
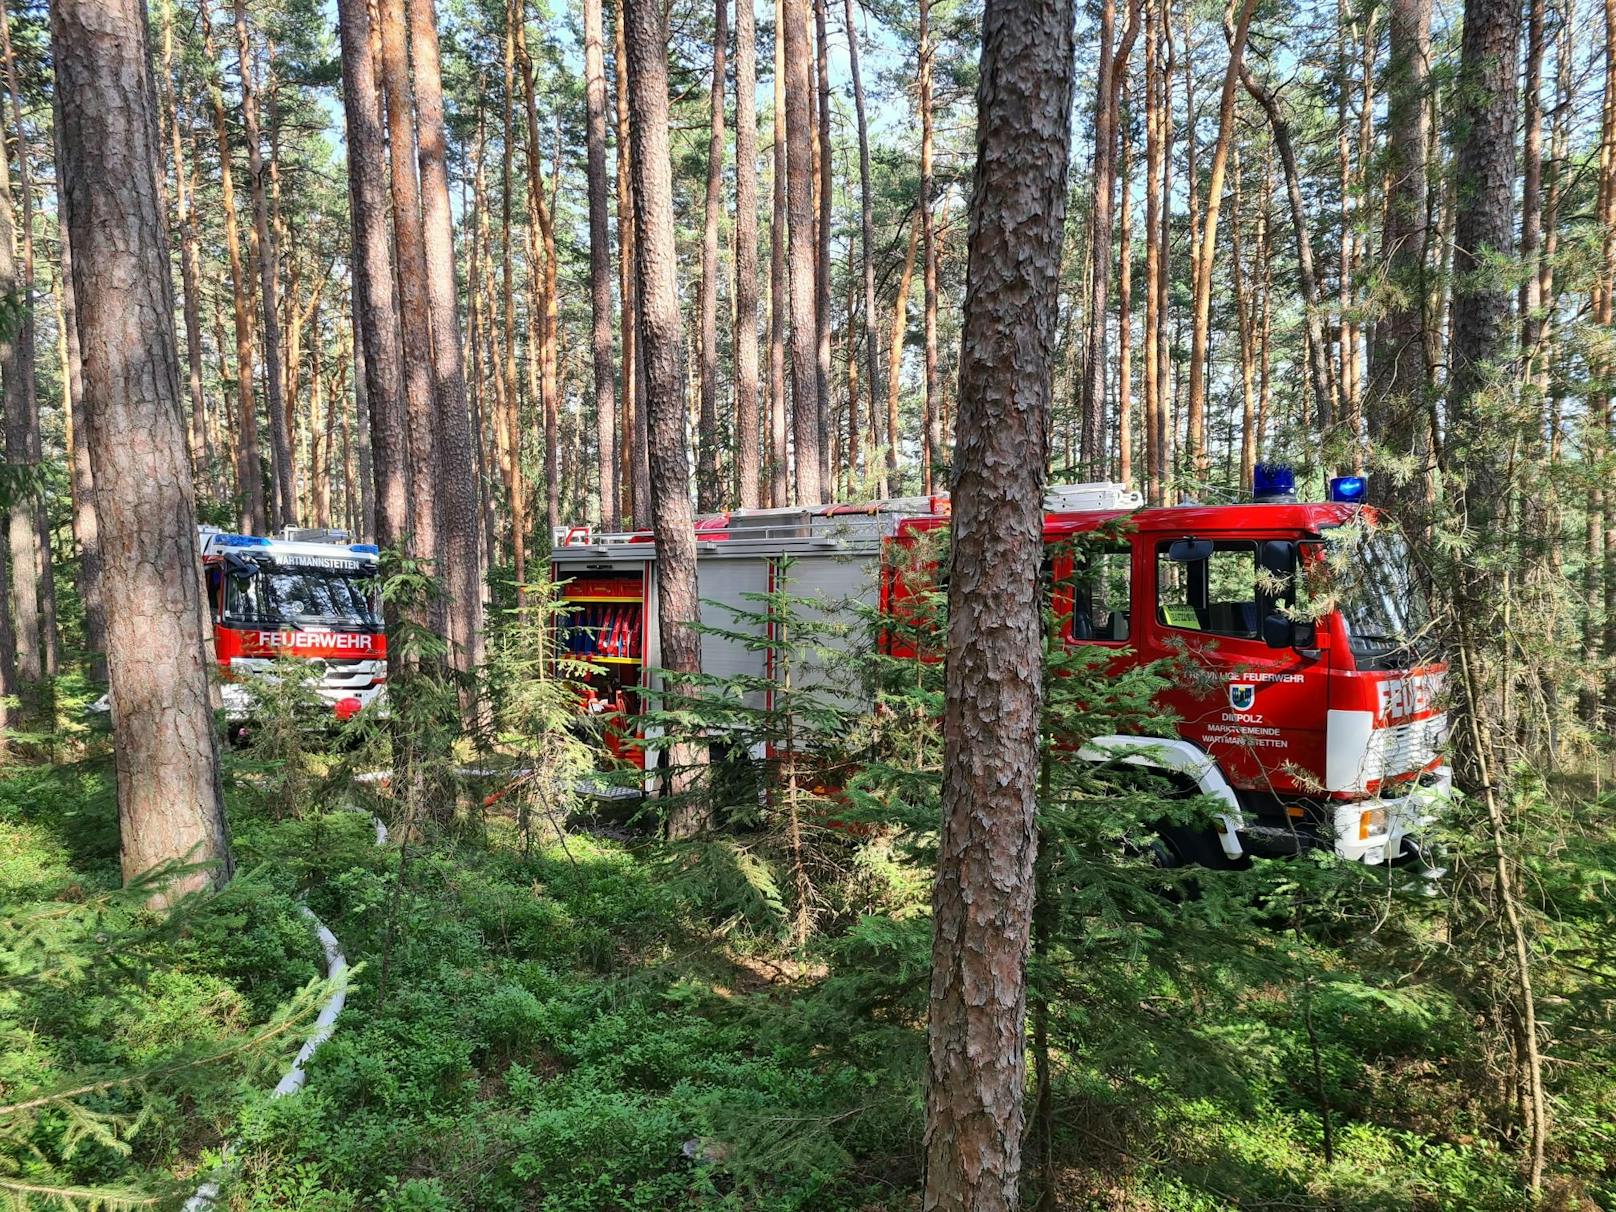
x=301, y=596
x=1368, y=575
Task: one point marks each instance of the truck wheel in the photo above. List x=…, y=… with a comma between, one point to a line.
x=1187, y=846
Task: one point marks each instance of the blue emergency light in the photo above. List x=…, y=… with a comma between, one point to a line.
x=240, y=540
x=366, y=548
x=1273, y=482
x=1349, y=490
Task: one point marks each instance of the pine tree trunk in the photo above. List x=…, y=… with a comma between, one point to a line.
x=1319, y=366
x=600, y=270
x=190, y=263
x=21, y=449
x=983, y=899
x=169, y=801
x=1154, y=262
x=661, y=339
x=85, y=530
x=779, y=282
x=635, y=430
x=747, y=436
x=266, y=256
x=931, y=432
x=249, y=471
x=541, y=226
x=459, y=561
x=1125, y=299
x=1201, y=333
x=823, y=165
x=375, y=299
x=867, y=256
x=900, y=329
x=805, y=403
x=409, y=243
x=1398, y=375
x=709, y=494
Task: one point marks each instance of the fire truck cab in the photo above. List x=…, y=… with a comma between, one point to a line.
x=311, y=596
x=1308, y=695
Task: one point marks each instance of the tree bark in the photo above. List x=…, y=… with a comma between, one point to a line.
x=931, y=429
x=1155, y=459
x=600, y=270
x=249, y=472
x=900, y=329
x=983, y=899
x=660, y=338
x=1320, y=375
x=22, y=446
x=1201, y=333
x=1398, y=374
x=1112, y=67
x=409, y=243
x=872, y=354
x=169, y=801
x=1125, y=302
x=747, y=436
x=459, y=561
x=822, y=224
x=375, y=299
x=541, y=226
x=779, y=281
x=634, y=427
x=802, y=252
x=708, y=492
x=85, y=529
x=266, y=256
x=1484, y=228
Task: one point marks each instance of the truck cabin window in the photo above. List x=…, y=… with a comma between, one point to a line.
x=1220, y=594
x=279, y=596
x=1101, y=592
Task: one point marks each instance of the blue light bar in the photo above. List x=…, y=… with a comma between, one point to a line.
x=240, y=540
x=1349, y=490
x=1273, y=482
x=365, y=548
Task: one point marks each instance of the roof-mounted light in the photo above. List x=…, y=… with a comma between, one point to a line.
x=1349, y=490
x=1272, y=482
x=240, y=540
x=365, y=548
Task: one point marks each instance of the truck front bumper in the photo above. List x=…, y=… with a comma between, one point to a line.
x=1387, y=829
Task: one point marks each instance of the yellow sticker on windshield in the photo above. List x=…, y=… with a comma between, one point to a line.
x=1181, y=615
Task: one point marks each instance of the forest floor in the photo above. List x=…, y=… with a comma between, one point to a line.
x=594, y=1021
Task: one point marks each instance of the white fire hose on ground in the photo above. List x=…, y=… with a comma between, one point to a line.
x=336, y=970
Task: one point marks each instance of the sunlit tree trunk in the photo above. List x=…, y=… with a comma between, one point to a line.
x=1125, y=446
x=779, y=282
x=656, y=268
x=708, y=497
x=1202, y=330
x=459, y=545
x=983, y=898
x=249, y=473
x=600, y=269
x=805, y=405
x=409, y=242
x=747, y=429
x=822, y=224
x=931, y=431
x=375, y=299
x=265, y=256
x=170, y=806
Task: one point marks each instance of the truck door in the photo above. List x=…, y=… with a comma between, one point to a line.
x=1259, y=711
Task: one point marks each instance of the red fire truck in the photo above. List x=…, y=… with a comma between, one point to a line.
x=1308, y=692
x=311, y=596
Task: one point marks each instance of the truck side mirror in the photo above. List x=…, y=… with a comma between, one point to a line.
x=1189, y=551
x=1278, y=556
x=1281, y=631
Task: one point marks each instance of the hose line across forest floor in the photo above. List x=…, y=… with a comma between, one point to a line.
x=336, y=971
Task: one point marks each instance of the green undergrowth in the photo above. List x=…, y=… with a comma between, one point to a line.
x=592, y=1023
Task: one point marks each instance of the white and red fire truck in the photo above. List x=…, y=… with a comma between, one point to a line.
x=311, y=596
x=1311, y=726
